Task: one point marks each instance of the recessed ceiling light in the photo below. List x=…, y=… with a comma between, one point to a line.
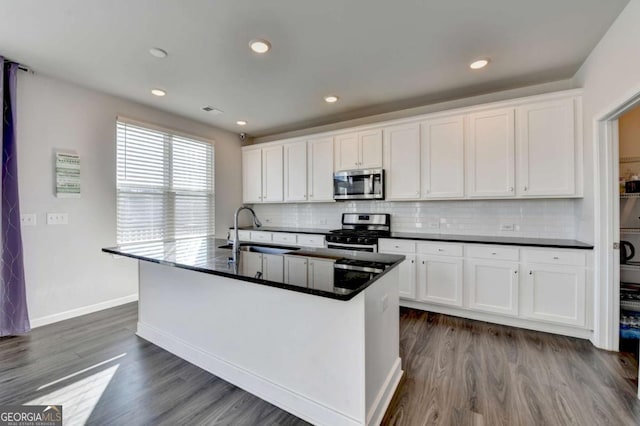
x=331, y=99
x=260, y=46
x=158, y=53
x=158, y=92
x=480, y=63
x=241, y=123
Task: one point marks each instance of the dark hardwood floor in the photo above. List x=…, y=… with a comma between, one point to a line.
x=457, y=372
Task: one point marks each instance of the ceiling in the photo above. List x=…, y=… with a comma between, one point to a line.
x=371, y=53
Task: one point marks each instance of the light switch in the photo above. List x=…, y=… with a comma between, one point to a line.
x=57, y=218
x=28, y=219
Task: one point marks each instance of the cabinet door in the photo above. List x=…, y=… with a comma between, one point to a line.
x=491, y=153
x=321, y=274
x=443, y=158
x=347, y=152
x=407, y=285
x=320, y=169
x=402, y=161
x=554, y=293
x=251, y=264
x=492, y=286
x=273, y=267
x=370, y=149
x=252, y=176
x=272, y=174
x=440, y=280
x=546, y=149
x=295, y=270
x=295, y=172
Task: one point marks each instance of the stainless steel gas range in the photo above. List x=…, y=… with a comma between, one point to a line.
x=360, y=231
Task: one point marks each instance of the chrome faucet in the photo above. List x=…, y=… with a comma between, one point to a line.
x=236, y=239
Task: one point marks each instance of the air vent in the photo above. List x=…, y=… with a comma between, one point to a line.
x=211, y=109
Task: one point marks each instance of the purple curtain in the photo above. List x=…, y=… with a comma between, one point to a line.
x=14, y=318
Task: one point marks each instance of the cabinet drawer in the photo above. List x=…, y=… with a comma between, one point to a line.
x=492, y=252
x=262, y=236
x=400, y=246
x=440, y=249
x=283, y=238
x=555, y=257
x=310, y=240
x=242, y=235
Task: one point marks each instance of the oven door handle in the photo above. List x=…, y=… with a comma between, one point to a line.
x=354, y=246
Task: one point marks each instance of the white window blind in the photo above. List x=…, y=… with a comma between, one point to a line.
x=165, y=185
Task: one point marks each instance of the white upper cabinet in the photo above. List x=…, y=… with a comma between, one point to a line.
x=491, y=154
x=320, y=169
x=272, y=174
x=295, y=172
x=252, y=176
x=443, y=157
x=546, y=149
x=402, y=162
x=347, y=152
x=370, y=149
x=361, y=150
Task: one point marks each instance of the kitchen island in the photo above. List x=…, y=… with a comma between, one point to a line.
x=313, y=331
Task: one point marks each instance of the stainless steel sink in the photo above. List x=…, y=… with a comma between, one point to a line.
x=263, y=249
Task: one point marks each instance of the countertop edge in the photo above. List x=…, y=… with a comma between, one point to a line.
x=451, y=238
x=297, y=289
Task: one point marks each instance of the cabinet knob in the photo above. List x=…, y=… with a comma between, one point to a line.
x=412, y=261
x=515, y=271
x=423, y=262
x=525, y=188
x=530, y=272
x=494, y=253
x=556, y=257
x=440, y=249
x=511, y=189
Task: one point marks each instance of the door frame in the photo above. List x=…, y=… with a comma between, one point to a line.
x=607, y=223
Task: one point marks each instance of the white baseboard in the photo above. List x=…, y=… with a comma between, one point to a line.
x=383, y=399
x=285, y=398
x=61, y=316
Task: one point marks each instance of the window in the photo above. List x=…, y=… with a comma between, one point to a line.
x=165, y=184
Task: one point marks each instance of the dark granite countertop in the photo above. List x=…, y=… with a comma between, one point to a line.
x=484, y=239
x=453, y=238
x=208, y=255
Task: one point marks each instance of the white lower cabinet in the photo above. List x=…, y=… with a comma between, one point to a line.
x=295, y=270
x=539, y=288
x=555, y=294
x=320, y=274
x=407, y=285
x=492, y=286
x=273, y=267
x=440, y=280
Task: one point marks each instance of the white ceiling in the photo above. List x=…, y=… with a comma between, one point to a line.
x=387, y=54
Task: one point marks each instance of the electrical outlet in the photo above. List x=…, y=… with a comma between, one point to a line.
x=504, y=227
x=322, y=221
x=57, y=218
x=28, y=219
x=434, y=225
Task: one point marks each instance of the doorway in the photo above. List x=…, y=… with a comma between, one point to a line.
x=607, y=225
x=629, y=214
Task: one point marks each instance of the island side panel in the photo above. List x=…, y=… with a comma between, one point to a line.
x=301, y=352
x=382, y=346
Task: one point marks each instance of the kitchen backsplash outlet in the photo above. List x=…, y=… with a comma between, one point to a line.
x=527, y=218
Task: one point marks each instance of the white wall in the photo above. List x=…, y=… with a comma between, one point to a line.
x=609, y=76
x=66, y=273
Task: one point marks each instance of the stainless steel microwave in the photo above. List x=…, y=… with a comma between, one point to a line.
x=359, y=185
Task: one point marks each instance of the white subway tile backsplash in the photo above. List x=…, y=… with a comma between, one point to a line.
x=530, y=218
